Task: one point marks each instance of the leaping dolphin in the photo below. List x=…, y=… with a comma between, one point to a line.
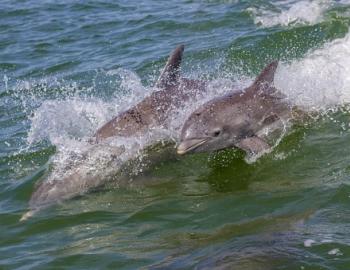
x=239, y=119
x=172, y=91
x=154, y=109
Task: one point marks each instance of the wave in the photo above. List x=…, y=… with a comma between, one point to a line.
x=320, y=80
x=290, y=12
x=317, y=82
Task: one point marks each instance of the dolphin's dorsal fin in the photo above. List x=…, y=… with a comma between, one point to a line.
x=171, y=71
x=267, y=75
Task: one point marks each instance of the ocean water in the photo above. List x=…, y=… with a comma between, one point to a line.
x=67, y=67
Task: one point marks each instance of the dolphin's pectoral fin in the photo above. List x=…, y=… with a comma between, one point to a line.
x=254, y=146
x=171, y=71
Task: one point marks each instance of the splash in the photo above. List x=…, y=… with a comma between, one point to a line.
x=291, y=12
x=319, y=81
x=76, y=113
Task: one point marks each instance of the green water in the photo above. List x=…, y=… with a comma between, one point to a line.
x=288, y=210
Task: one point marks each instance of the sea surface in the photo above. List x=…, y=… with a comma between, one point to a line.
x=67, y=67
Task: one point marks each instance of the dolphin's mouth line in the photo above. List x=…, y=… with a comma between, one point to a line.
x=189, y=145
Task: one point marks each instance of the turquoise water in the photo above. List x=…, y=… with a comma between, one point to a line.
x=66, y=68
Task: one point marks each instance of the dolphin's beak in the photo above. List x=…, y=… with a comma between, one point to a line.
x=189, y=145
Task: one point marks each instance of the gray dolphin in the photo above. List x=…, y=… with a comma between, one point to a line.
x=239, y=119
x=172, y=91
x=154, y=109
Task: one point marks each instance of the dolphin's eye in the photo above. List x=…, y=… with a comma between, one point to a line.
x=216, y=132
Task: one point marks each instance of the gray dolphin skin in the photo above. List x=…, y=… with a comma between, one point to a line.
x=172, y=91
x=238, y=119
x=154, y=109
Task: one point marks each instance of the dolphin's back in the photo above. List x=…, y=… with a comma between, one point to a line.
x=172, y=92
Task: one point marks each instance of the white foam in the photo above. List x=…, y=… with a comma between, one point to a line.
x=309, y=243
x=321, y=79
x=335, y=252
x=74, y=118
x=291, y=12
x=79, y=116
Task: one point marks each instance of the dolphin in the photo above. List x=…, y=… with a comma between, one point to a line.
x=154, y=109
x=171, y=91
x=239, y=119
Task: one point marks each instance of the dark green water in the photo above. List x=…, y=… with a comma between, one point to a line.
x=66, y=67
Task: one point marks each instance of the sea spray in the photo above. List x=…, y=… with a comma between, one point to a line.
x=321, y=79
x=289, y=12
x=67, y=123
